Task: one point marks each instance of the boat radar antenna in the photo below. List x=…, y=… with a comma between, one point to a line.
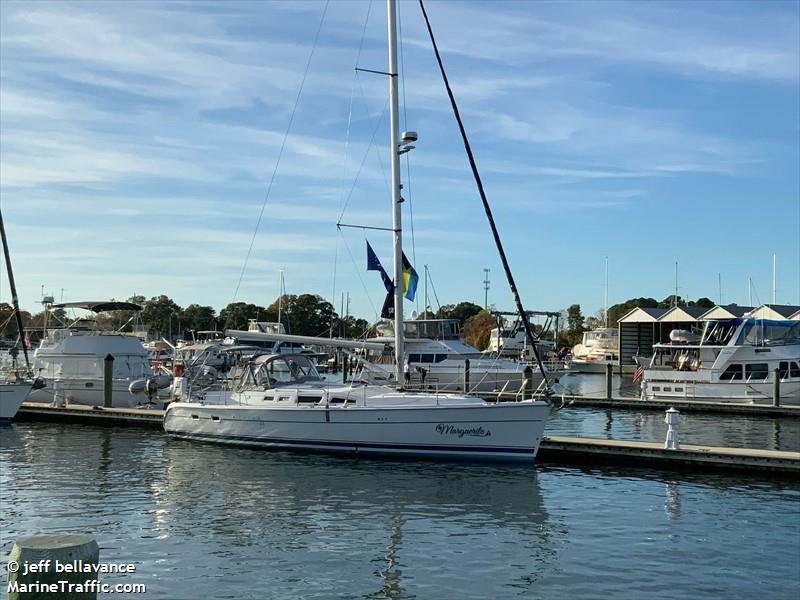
x=532, y=339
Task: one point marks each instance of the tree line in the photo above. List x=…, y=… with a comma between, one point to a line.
x=301, y=314
x=577, y=323
x=312, y=315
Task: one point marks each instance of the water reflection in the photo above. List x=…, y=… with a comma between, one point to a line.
x=734, y=431
x=392, y=513
x=672, y=502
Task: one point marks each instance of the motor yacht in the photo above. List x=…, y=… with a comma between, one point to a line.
x=598, y=348
x=71, y=359
x=733, y=360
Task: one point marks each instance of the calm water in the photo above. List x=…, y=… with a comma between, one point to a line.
x=211, y=521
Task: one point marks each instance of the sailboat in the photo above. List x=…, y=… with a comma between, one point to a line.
x=14, y=386
x=281, y=402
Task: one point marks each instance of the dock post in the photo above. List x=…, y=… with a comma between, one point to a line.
x=776, y=389
x=609, y=377
x=58, y=394
x=43, y=553
x=466, y=375
x=528, y=383
x=345, y=360
x=671, y=420
x=108, y=371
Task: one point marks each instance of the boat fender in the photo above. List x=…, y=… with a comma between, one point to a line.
x=138, y=386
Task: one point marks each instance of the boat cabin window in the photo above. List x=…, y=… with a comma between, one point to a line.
x=426, y=358
x=770, y=333
x=783, y=369
x=756, y=371
x=732, y=373
x=794, y=370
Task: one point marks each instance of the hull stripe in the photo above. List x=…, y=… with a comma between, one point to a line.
x=288, y=442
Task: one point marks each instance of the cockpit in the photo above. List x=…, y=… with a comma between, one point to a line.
x=276, y=370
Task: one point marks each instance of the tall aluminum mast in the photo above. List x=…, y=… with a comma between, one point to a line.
x=394, y=146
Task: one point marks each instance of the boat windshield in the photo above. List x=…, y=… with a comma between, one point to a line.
x=719, y=333
x=765, y=332
x=285, y=369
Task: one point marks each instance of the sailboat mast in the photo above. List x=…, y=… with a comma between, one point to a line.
x=394, y=145
x=14, y=300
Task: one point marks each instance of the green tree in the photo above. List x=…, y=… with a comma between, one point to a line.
x=350, y=327
x=575, y=325
x=478, y=328
x=162, y=316
x=703, y=303
x=306, y=314
x=671, y=301
x=237, y=314
x=461, y=311
x=8, y=322
x=617, y=311
x=199, y=318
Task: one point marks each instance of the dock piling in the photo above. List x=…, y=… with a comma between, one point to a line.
x=776, y=388
x=466, y=375
x=609, y=376
x=58, y=395
x=108, y=371
x=671, y=443
x=528, y=374
x=36, y=559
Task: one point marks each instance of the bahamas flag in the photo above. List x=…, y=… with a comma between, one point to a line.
x=410, y=279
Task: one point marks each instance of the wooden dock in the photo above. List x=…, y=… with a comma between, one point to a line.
x=554, y=449
x=689, y=406
x=567, y=449
x=78, y=413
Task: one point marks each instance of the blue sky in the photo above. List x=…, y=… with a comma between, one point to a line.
x=139, y=139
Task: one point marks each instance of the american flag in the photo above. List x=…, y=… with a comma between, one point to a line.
x=637, y=374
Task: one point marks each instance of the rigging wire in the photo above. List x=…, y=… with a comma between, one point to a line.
x=361, y=279
x=433, y=288
x=342, y=204
x=485, y=201
x=280, y=152
x=363, y=161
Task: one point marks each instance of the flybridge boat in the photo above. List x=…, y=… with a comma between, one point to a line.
x=599, y=347
x=282, y=402
x=734, y=360
x=71, y=359
x=435, y=350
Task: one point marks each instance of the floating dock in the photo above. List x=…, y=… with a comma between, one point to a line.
x=689, y=406
x=553, y=449
x=567, y=449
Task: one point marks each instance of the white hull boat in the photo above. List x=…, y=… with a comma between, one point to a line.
x=12, y=395
x=281, y=402
x=86, y=391
x=589, y=366
x=734, y=360
x=598, y=348
x=307, y=414
x=71, y=360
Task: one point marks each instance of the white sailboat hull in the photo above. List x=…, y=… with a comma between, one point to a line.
x=89, y=392
x=503, y=432
x=12, y=395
